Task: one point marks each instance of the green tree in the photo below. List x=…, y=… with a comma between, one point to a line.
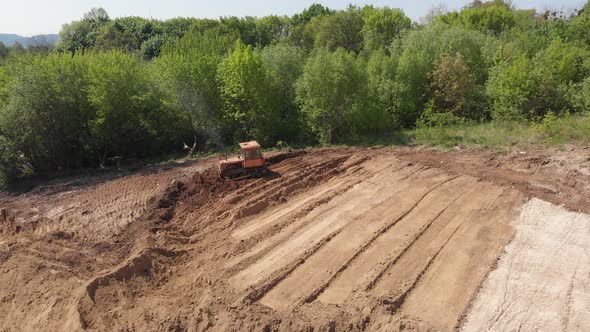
x=126, y=103
x=244, y=85
x=4, y=51
x=342, y=29
x=381, y=88
x=382, y=25
x=513, y=88
x=302, y=29
x=420, y=50
x=81, y=35
x=494, y=16
x=97, y=14
x=76, y=36
x=189, y=67
x=327, y=90
x=284, y=65
x=112, y=37
x=46, y=111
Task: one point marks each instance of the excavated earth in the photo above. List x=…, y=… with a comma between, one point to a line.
x=392, y=239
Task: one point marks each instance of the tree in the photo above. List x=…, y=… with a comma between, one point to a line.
x=301, y=30
x=46, y=111
x=493, y=16
x=112, y=37
x=381, y=87
x=97, y=14
x=382, y=25
x=342, y=29
x=327, y=90
x=17, y=49
x=189, y=68
x=125, y=101
x=244, y=86
x=420, y=50
x=244, y=28
x=566, y=61
x=453, y=88
x=3, y=50
x=76, y=36
x=284, y=65
x=79, y=36
x=271, y=29
x=514, y=89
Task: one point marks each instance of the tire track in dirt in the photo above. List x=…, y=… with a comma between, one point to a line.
x=317, y=272
x=294, y=206
x=387, y=251
x=445, y=288
x=296, y=220
x=393, y=286
x=319, y=224
x=280, y=230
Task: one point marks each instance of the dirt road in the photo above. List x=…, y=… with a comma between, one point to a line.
x=345, y=239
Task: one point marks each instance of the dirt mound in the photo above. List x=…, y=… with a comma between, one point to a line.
x=332, y=239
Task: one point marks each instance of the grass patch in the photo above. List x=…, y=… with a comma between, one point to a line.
x=569, y=129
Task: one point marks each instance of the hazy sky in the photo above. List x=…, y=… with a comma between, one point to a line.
x=29, y=17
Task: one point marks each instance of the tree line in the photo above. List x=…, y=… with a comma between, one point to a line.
x=133, y=88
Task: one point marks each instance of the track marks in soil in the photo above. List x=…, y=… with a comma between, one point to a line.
x=445, y=289
x=319, y=270
x=294, y=206
x=118, y=288
x=389, y=250
x=396, y=282
x=399, y=232
x=321, y=223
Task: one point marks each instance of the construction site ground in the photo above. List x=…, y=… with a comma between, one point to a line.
x=382, y=238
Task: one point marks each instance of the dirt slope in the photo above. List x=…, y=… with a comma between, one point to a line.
x=346, y=239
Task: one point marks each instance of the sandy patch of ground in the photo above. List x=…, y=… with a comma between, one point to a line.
x=542, y=280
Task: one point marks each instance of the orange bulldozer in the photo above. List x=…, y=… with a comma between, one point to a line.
x=250, y=163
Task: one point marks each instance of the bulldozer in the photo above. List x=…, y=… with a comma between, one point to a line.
x=250, y=163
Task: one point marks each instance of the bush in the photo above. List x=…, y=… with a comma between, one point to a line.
x=13, y=165
x=432, y=117
x=511, y=89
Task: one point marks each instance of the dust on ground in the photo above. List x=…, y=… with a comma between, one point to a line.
x=333, y=238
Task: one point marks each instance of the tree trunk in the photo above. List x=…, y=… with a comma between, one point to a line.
x=330, y=135
x=103, y=158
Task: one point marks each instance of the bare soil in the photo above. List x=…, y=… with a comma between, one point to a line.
x=333, y=239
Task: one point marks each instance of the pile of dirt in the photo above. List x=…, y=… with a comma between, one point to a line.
x=333, y=238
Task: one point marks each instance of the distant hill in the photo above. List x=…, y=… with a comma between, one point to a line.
x=10, y=39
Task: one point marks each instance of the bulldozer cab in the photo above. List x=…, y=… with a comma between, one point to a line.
x=251, y=155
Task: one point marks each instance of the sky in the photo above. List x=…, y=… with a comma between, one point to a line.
x=30, y=17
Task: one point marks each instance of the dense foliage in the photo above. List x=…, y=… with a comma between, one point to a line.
x=133, y=88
